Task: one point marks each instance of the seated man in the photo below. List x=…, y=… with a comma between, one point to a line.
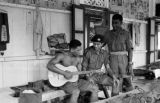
x=94, y=58
x=72, y=58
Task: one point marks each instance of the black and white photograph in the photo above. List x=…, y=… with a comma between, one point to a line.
x=79, y=51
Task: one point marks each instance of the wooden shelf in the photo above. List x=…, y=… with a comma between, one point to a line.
x=24, y=58
x=139, y=51
x=134, y=20
x=32, y=7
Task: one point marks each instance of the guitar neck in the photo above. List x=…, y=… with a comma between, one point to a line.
x=86, y=72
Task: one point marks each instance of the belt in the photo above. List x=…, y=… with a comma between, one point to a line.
x=119, y=53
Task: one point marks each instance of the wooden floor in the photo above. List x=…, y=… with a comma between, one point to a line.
x=142, y=86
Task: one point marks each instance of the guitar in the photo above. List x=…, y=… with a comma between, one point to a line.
x=58, y=80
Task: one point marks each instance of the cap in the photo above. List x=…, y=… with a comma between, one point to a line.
x=98, y=38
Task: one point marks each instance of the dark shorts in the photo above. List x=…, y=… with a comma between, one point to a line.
x=118, y=64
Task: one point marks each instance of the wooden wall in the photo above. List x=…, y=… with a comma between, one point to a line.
x=19, y=64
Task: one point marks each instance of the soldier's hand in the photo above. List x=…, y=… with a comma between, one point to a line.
x=90, y=74
x=129, y=69
x=91, y=80
x=115, y=80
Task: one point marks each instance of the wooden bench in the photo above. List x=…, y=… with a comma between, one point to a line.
x=52, y=94
x=7, y=95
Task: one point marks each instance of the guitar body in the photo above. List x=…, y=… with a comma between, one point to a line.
x=58, y=80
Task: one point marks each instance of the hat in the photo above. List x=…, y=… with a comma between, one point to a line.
x=98, y=38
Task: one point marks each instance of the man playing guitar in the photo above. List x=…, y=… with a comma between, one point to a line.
x=72, y=58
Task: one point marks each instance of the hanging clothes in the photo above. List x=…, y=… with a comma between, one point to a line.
x=40, y=44
x=137, y=33
x=4, y=31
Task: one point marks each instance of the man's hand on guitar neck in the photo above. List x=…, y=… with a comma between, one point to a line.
x=95, y=72
x=68, y=75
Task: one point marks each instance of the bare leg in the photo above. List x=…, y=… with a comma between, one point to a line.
x=120, y=84
x=115, y=89
x=94, y=94
x=103, y=87
x=74, y=96
x=88, y=86
x=109, y=82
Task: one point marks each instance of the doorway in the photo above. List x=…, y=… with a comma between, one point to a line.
x=153, y=40
x=158, y=47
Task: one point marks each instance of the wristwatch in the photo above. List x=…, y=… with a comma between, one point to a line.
x=131, y=63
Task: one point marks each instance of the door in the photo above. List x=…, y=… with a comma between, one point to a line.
x=83, y=16
x=78, y=25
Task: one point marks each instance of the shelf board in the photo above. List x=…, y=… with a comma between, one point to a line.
x=134, y=20
x=140, y=51
x=24, y=58
x=32, y=7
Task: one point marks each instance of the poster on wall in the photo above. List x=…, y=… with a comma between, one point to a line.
x=65, y=4
x=135, y=9
x=52, y=4
x=98, y=3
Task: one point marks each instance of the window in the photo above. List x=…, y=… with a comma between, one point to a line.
x=158, y=40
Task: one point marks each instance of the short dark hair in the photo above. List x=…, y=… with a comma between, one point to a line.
x=117, y=17
x=74, y=43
